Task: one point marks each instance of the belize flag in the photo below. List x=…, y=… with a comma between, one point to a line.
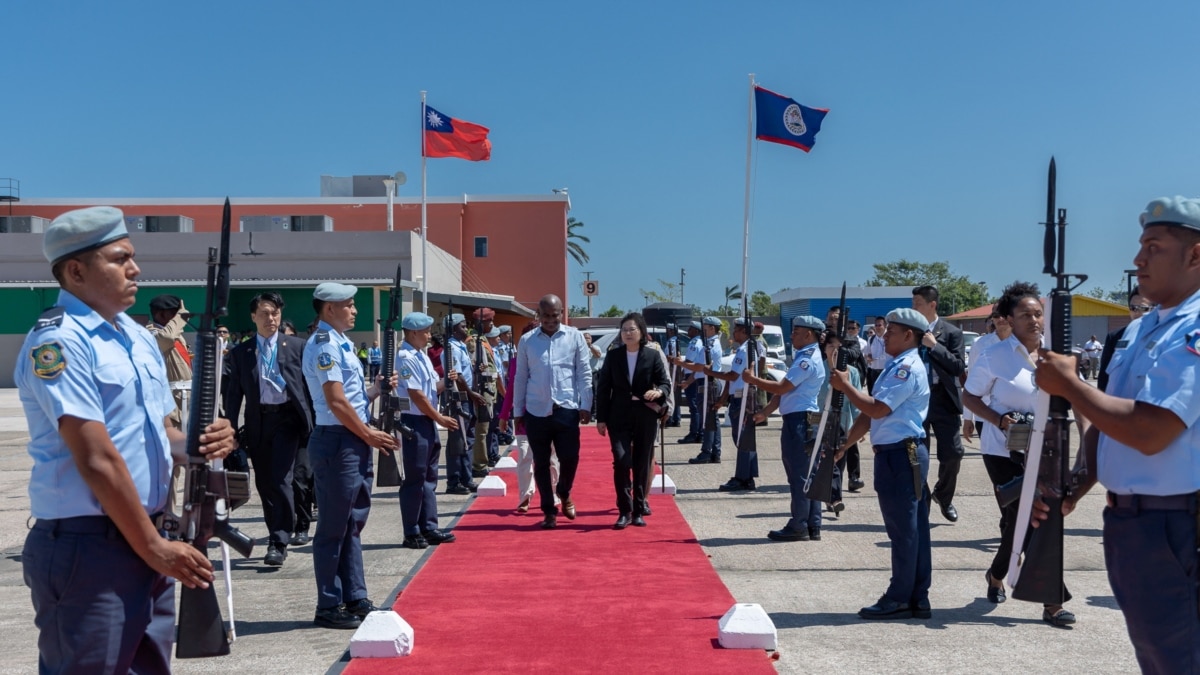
x=448, y=137
x=779, y=119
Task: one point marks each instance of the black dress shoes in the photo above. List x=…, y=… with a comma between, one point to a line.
x=550, y=522
x=921, y=609
x=479, y=473
x=995, y=594
x=361, y=608
x=275, y=556
x=788, y=534
x=472, y=486
x=814, y=534
x=435, y=537
x=638, y=521
x=415, y=541
x=458, y=490
x=702, y=458
x=886, y=609
x=336, y=617
x=689, y=439
x=732, y=485
x=948, y=511
x=300, y=538
x=622, y=522
x=646, y=509
x=855, y=485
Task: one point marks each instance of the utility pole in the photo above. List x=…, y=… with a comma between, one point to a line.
x=589, y=278
x=682, y=271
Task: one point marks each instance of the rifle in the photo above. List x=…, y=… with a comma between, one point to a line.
x=388, y=473
x=708, y=417
x=1040, y=577
x=747, y=437
x=829, y=436
x=453, y=397
x=209, y=492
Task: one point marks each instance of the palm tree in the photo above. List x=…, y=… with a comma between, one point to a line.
x=573, y=247
x=731, y=293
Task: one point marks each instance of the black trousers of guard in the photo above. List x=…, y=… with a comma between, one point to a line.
x=558, y=433
x=273, y=460
x=944, y=424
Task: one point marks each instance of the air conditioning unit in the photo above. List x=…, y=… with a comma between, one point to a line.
x=23, y=224
x=312, y=224
x=265, y=223
x=169, y=224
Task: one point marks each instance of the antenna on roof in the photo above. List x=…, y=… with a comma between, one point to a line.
x=252, y=251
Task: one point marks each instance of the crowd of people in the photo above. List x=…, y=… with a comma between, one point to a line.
x=107, y=403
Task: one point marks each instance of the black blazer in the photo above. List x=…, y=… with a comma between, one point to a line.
x=947, y=358
x=243, y=384
x=614, y=404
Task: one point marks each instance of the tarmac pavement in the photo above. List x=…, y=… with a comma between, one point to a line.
x=812, y=590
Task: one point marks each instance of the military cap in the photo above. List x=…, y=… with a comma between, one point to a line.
x=483, y=314
x=453, y=320
x=696, y=325
x=1179, y=211
x=740, y=321
x=758, y=325
x=165, y=303
x=82, y=230
x=494, y=332
x=334, y=292
x=908, y=317
x=712, y=321
x=416, y=321
x=808, y=321
x=505, y=329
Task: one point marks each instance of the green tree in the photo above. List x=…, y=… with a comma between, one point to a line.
x=761, y=305
x=574, y=248
x=613, y=312
x=731, y=294
x=957, y=293
x=668, y=292
x=577, y=310
x=1095, y=292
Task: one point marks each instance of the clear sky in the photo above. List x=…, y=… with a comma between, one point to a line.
x=943, y=116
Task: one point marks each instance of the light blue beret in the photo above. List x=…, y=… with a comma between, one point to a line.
x=505, y=329
x=1179, y=211
x=416, y=321
x=494, y=332
x=83, y=230
x=696, y=325
x=333, y=292
x=712, y=321
x=808, y=321
x=908, y=317
x=453, y=320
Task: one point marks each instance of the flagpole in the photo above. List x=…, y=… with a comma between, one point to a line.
x=746, y=210
x=424, y=220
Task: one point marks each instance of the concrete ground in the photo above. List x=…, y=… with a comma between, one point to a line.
x=812, y=590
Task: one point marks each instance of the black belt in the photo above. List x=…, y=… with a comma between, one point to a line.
x=899, y=444
x=1135, y=503
x=274, y=407
x=88, y=525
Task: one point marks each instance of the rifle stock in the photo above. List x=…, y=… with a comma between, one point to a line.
x=819, y=485
x=388, y=472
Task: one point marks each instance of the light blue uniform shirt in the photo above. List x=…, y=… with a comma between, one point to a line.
x=461, y=361
x=739, y=364
x=415, y=371
x=807, y=374
x=85, y=367
x=903, y=386
x=695, y=354
x=552, y=370
x=1157, y=362
x=329, y=357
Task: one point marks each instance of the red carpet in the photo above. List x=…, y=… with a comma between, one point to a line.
x=508, y=597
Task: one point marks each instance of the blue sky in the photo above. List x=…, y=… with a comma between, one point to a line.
x=943, y=116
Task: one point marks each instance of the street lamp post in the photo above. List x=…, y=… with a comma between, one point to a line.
x=390, y=184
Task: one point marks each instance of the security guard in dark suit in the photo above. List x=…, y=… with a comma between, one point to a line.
x=942, y=351
x=1143, y=442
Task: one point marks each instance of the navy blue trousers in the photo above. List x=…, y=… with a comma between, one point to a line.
x=805, y=512
x=1152, y=567
x=694, y=422
x=747, y=462
x=418, y=491
x=344, y=473
x=99, y=608
x=906, y=519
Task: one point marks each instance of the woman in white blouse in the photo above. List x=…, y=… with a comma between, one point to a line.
x=1003, y=377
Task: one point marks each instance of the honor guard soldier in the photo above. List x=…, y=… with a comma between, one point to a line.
x=418, y=491
x=706, y=353
x=168, y=319
x=458, y=446
x=485, y=450
x=796, y=399
x=693, y=352
x=672, y=348
x=339, y=450
x=1143, y=442
x=746, y=469
x=895, y=413
x=96, y=397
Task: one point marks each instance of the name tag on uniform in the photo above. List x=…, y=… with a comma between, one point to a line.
x=1122, y=344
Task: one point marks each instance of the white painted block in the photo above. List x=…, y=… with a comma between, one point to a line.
x=662, y=485
x=492, y=486
x=505, y=464
x=383, y=634
x=746, y=626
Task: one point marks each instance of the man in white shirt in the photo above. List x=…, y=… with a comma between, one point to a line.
x=1093, y=347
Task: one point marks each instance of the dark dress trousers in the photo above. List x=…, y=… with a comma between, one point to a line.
x=944, y=422
x=273, y=434
x=632, y=425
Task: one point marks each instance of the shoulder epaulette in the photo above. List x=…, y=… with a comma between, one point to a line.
x=51, y=317
x=321, y=336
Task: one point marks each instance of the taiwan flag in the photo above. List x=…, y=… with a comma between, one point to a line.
x=779, y=119
x=448, y=137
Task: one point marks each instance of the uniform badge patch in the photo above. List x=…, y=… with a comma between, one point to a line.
x=48, y=360
x=1193, y=342
x=804, y=365
x=324, y=361
x=902, y=373
x=405, y=372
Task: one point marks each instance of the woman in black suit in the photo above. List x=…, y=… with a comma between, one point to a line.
x=631, y=382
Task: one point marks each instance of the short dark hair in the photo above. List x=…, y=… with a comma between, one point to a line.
x=1012, y=296
x=287, y=325
x=853, y=323
x=639, y=321
x=928, y=293
x=266, y=296
x=318, y=305
x=1135, y=291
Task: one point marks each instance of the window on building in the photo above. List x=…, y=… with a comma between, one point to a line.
x=481, y=247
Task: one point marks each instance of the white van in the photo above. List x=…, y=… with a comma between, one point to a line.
x=773, y=336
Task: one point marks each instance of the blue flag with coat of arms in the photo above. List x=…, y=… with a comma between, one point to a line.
x=779, y=119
